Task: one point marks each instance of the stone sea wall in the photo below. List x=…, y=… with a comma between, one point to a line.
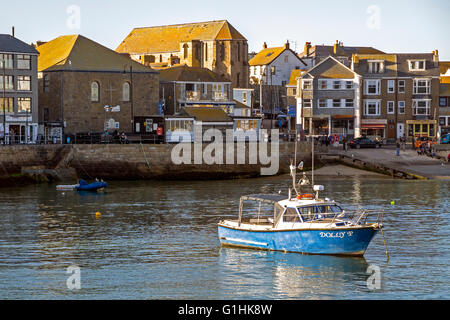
x=136, y=162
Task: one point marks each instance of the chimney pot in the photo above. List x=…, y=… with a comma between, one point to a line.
x=286, y=46
x=13, y=32
x=265, y=45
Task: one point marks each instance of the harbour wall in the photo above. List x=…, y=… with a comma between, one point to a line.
x=140, y=162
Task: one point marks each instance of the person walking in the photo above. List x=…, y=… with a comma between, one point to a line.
x=344, y=143
x=398, y=148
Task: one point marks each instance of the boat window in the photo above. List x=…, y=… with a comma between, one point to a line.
x=291, y=215
x=319, y=212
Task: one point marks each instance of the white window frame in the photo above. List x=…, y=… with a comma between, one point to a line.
x=346, y=101
x=340, y=103
x=413, y=65
x=349, y=85
x=321, y=81
x=391, y=86
x=379, y=66
x=377, y=107
x=377, y=84
x=416, y=86
x=307, y=85
x=402, y=87
x=401, y=107
x=323, y=101
x=390, y=108
x=337, y=82
x=427, y=107
x=307, y=103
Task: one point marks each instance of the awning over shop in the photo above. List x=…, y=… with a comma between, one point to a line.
x=343, y=116
x=373, y=126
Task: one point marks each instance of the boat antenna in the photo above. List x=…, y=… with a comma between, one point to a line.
x=312, y=155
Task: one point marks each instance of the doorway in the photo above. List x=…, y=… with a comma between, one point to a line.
x=400, y=130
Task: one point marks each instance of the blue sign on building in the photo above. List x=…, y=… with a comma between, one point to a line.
x=292, y=111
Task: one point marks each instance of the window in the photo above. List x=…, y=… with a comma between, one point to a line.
x=23, y=62
x=7, y=82
x=336, y=103
x=291, y=216
x=307, y=84
x=6, y=59
x=185, y=51
x=421, y=107
x=9, y=105
x=391, y=86
x=401, y=86
x=239, y=51
x=349, y=103
x=442, y=121
x=307, y=103
x=376, y=66
x=372, y=107
x=322, y=103
x=421, y=86
x=46, y=83
x=401, y=107
x=416, y=65
x=348, y=84
x=95, y=92
x=273, y=70
x=336, y=85
x=372, y=87
x=244, y=97
x=238, y=80
x=390, y=107
x=323, y=84
x=444, y=102
x=24, y=105
x=126, y=92
x=24, y=83
x=286, y=59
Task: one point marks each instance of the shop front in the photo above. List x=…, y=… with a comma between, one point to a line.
x=343, y=125
x=375, y=128
x=421, y=128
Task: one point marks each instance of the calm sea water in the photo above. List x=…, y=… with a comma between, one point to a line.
x=158, y=240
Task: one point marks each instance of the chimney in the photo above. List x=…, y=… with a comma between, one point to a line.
x=13, y=32
x=336, y=46
x=286, y=46
x=306, y=50
x=265, y=45
x=436, y=55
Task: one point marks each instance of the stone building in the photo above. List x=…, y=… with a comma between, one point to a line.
x=215, y=45
x=399, y=94
x=19, y=94
x=86, y=87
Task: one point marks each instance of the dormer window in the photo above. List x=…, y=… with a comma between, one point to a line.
x=416, y=65
x=376, y=66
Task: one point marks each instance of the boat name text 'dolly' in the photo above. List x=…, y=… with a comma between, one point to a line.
x=340, y=235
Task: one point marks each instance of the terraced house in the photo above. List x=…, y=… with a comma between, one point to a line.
x=400, y=94
x=328, y=99
x=215, y=45
x=19, y=94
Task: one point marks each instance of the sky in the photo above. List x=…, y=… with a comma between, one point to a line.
x=393, y=26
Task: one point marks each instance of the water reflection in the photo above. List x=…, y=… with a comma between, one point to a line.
x=292, y=276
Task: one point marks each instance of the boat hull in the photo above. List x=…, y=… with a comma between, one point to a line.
x=348, y=242
x=93, y=187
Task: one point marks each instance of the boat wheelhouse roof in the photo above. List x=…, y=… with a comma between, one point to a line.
x=268, y=198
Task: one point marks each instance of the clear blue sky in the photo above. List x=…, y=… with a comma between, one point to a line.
x=391, y=26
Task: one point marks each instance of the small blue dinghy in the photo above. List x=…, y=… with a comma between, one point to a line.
x=95, y=186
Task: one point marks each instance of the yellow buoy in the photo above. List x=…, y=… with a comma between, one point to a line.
x=98, y=214
x=392, y=202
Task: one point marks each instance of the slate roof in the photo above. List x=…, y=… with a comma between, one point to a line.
x=207, y=114
x=78, y=53
x=190, y=74
x=10, y=44
x=162, y=39
x=325, y=51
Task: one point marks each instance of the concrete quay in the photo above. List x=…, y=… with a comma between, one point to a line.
x=408, y=165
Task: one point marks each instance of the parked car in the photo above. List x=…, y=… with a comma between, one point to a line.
x=445, y=139
x=364, y=142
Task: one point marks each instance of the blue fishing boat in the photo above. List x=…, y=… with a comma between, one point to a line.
x=302, y=222
x=93, y=187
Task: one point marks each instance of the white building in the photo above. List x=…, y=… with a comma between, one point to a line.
x=273, y=66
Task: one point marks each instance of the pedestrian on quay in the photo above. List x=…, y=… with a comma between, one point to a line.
x=344, y=143
x=398, y=148
x=404, y=143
